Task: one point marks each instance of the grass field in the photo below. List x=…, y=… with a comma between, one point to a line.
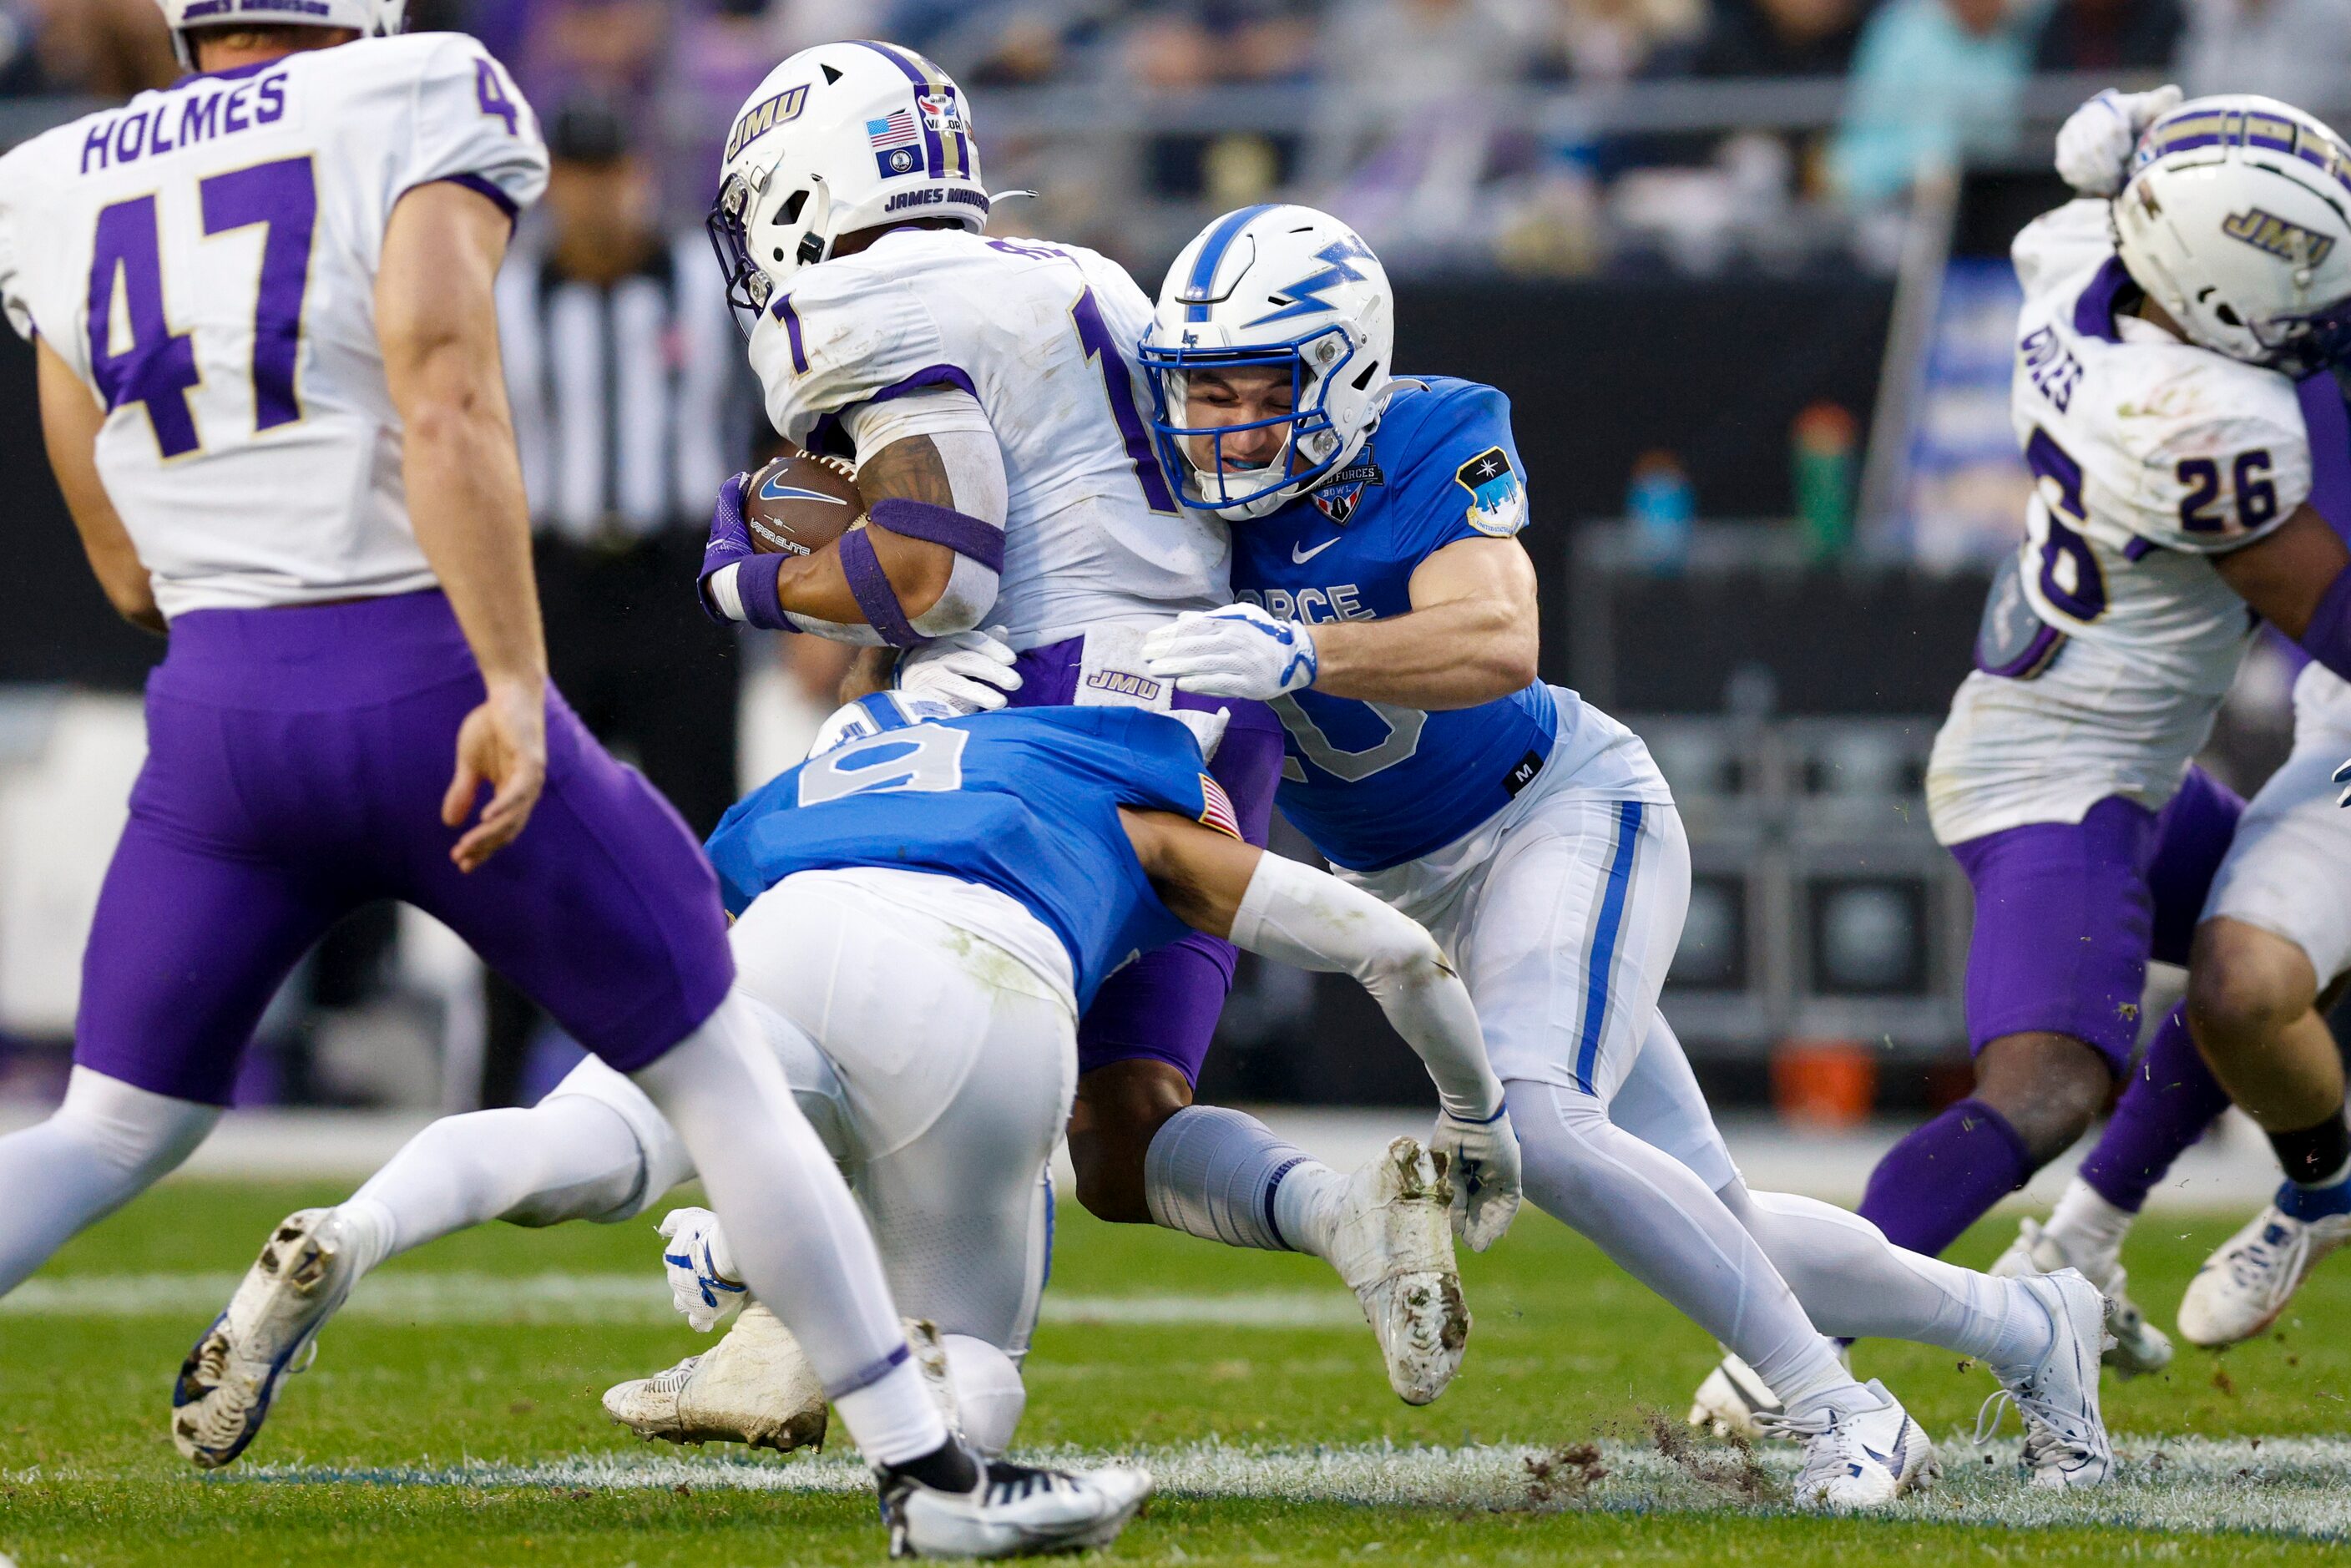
x=452, y=1418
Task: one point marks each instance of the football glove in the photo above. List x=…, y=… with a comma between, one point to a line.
x=701, y=1269
x=1208, y=728
x=2096, y=143
x=969, y=671
x=1485, y=1172
x=1236, y=652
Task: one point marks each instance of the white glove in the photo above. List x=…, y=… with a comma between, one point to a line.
x=2096, y=143
x=1208, y=728
x=2343, y=776
x=970, y=671
x=1485, y=1172
x=1236, y=652
x=702, y=1279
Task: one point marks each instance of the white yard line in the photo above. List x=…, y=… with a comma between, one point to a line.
x=2296, y=1487
x=466, y=1298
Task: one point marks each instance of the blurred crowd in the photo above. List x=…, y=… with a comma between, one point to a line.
x=1440, y=127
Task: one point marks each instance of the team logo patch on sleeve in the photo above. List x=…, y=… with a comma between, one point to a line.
x=1497, y=503
x=1216, y=808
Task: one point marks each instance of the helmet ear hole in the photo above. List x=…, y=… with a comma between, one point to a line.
x=2228, y=316
x=792, y=212
x=1362, y=382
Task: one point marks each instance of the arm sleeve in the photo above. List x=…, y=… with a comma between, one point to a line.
x=2230, y=463
x=844, y=335
x=1296, y=915
x=470, y=124
x=1464, y=476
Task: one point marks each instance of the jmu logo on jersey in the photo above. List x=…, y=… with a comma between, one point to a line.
x=1497, y=504
x=2289, y=242
x=1124, y=683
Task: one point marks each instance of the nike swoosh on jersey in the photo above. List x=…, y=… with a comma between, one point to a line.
x=1300, y=557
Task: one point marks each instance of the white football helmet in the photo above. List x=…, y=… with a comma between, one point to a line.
x=1286, y=287
x=838, y=138
x=2237, y=220
x=369, y=19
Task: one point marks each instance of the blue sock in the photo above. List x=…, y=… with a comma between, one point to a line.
x=2308, y=1203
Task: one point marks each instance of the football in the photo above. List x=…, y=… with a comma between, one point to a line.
x=799, y=503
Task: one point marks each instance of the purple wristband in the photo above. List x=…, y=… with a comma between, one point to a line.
x=2327, y=638
x=959, y=531
x=870, y=585
x=755, y=583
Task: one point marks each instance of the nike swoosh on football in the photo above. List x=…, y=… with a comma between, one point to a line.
x=772, y=491
x=1300, y=557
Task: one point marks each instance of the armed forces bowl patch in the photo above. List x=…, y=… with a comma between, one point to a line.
x=1498, y=502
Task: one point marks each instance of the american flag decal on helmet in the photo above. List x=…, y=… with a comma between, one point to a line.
x=1216, y=808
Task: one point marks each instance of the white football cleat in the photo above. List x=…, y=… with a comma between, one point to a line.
x=2137, y=1345
x=2244, y=1287
x=1858, y=1458
x=1732, y=1400
x=1393, y=1246
x=270, y=1329
x=1014, y=1511
x=754, y=1386
x=2065, y=1442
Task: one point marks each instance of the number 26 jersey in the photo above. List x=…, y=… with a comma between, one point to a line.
x=2149, y=457
x=204, y=259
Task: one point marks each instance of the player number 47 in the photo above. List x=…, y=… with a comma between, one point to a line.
x=156, y=367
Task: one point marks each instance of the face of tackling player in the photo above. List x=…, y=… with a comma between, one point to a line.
x=1230, y=399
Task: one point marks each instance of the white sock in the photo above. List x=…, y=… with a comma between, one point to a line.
x=1666, y=1229
x=1853, y=1283
x=796, y=1234
x=1223, y=1175
x=107, y=1144
x=567, y=1157
x=2086, y=1225
x=893, y=1418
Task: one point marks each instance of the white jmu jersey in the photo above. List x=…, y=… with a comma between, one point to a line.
x=1039, y=334
x=205, y=258
x=2150, y=456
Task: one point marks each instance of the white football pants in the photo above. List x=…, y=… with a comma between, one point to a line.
x=945, y=1078
x=1561, y=915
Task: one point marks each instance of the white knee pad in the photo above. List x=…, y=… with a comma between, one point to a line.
x=990, y=1394
x=138, y=1133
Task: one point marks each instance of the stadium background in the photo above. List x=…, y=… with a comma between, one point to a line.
x=1740, y=264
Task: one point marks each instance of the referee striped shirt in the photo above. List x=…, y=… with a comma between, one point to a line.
x=628, y=396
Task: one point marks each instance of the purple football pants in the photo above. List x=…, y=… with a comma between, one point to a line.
x=1163, y=1006
x=296, y=763
x=2067, y=914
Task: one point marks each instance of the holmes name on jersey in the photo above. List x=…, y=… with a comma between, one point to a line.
x=200, y=117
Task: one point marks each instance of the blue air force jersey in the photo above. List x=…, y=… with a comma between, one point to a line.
x=1025, y=801
x=1373, y=784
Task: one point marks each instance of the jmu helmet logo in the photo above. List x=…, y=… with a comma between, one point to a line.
x=764, y=116
x=2289, y=242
